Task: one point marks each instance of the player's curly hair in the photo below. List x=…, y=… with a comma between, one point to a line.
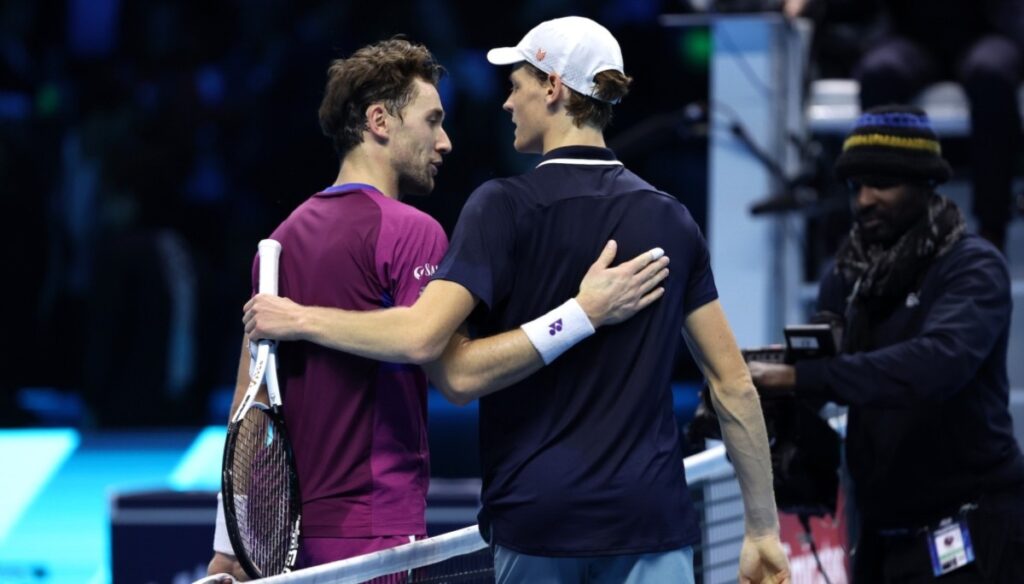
x=381, y=72
x=611, y=87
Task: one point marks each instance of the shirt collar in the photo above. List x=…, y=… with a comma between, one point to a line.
x=344, y=189
x=581, y=152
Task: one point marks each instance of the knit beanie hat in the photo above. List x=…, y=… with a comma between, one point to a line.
x=893, y=141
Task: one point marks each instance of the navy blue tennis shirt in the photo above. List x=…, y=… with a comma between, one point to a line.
x=582, y=457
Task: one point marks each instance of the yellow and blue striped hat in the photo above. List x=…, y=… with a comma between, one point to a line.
x=893, y=141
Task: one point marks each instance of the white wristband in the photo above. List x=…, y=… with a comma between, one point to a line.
x=557, y=331
x=221, y=540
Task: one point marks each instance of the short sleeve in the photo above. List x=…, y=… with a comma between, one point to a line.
x=700, y=288
x=481, y=254
x=409, y=249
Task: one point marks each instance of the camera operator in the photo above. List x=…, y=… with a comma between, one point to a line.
x=938, y=477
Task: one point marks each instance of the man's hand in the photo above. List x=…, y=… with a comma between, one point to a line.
x=612, y=295
x=793, y=8
x=226, y=565
x=762, y=561
x=273, y=317
x=773, y=379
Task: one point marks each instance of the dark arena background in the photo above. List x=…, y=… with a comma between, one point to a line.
x=146, y=146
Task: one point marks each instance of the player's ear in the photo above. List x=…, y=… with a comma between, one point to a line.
x=378, y=121
x=556, y=90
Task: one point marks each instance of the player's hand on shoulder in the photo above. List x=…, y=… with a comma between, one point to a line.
x=611, y=295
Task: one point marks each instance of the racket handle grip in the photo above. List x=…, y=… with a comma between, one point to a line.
x=270, y=252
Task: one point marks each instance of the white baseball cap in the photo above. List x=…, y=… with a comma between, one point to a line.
x=574, y=47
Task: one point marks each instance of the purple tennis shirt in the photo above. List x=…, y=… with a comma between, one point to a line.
x=358, y=426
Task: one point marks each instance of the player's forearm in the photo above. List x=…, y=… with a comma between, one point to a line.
x=472, y=368
x=396, y=335
x=746, y=439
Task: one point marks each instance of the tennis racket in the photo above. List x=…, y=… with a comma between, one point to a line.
x=258, y=480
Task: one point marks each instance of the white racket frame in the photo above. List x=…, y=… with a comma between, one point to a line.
x=264, y=366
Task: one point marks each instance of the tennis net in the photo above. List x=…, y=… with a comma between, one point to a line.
x=456, y=557
x=463, y=557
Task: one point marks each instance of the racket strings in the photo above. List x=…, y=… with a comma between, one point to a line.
x=262, y=494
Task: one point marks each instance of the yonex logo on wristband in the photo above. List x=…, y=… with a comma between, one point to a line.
x=555, y=327
x=553, y=333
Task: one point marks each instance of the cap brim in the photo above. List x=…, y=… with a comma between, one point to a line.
x=505, y=56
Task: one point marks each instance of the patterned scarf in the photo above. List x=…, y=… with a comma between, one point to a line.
x=883, y=277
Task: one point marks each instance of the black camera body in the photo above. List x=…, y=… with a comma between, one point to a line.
x=805, y=450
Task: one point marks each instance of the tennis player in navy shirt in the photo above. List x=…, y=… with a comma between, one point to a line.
x=582, y=469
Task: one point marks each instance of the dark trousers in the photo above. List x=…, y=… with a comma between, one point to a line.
x=997, y=534
x=989, y=70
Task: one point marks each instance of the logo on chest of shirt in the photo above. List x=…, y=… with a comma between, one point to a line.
x=424, y=271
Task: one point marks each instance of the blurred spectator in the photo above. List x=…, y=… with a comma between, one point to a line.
x=978, y=44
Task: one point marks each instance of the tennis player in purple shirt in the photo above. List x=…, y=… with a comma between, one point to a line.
x=358, y=423
x=358, y=426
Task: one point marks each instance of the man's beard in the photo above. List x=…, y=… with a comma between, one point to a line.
x=892, y=223
x=417, y=186
x=416, y=182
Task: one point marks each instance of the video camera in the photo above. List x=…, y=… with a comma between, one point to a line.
x=804, y=448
